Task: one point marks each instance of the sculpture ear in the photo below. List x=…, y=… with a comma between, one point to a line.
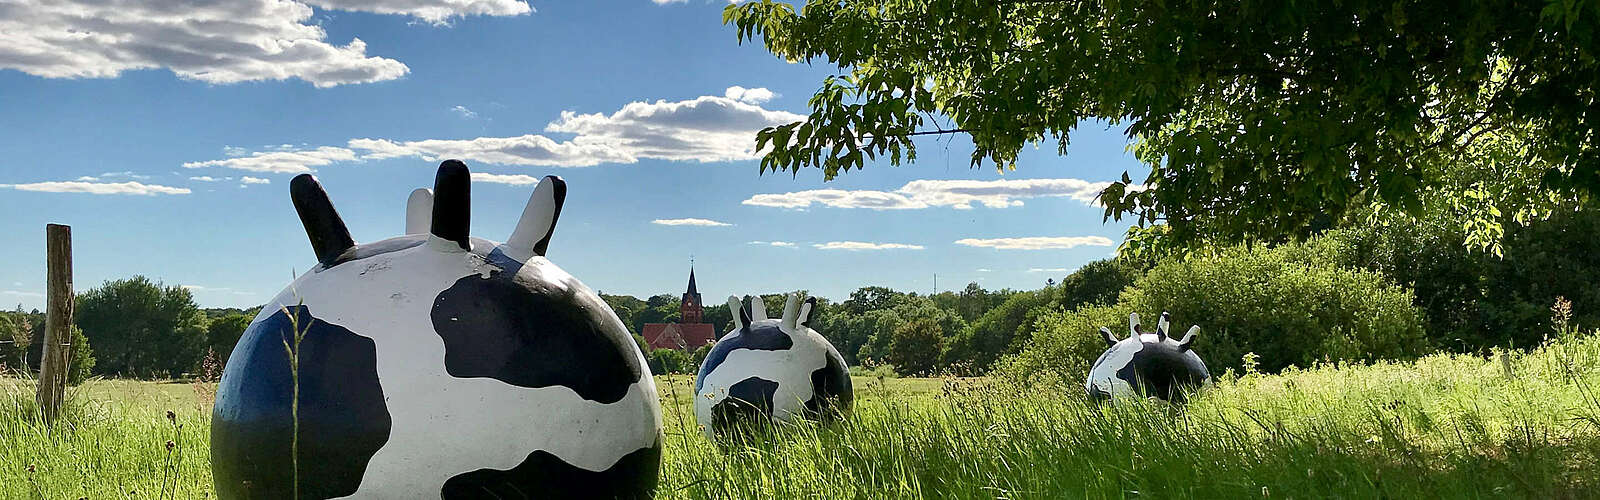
x=741, y=313
x=1133, y=324
x=758, y=307
x=452, y=203
x=1161, y=326
x=1188, y=338
x=791, y=311
x=538, y=221
x=419, y=211
x=805, y=311
x=1111, y=340
x=328, y=234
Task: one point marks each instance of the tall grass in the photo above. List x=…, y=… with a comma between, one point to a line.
x=1513, y=425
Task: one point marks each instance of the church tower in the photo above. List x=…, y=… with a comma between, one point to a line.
x=690, y=309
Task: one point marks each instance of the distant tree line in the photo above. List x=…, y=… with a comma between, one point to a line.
x=1391, y=289
x=133, y=328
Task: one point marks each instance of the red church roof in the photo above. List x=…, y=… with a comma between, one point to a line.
x=684, y=336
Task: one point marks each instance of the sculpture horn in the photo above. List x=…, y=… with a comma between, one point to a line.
x=328, y=234
x=419, y=211
x=805, y=312
x=758, y=307
x=741, y=314
x=452, y=203
x=791, y=311
x=1161, y=326
x=1106, y=333
x=1133, y=324
x=538, y=222
x=1188, y=338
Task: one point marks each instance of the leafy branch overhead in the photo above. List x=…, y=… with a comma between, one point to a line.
x=1259, y=119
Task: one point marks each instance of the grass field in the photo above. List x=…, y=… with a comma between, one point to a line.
x=1515, y=425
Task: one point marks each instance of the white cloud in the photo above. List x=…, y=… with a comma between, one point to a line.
x=1048, y=270
x=234, y=151
x=464, y=112
x=205, y=40
x=862, y=245
x=19, y=293
x=281, y=162
x=703, y=129
x=530, y=150
x=750, y=96
x=958, y=194
x=254, y=180
x=785, y=244
x=126, y=174
x=984, y=270
x=689, y=222
x=432, y=11
x=513, y=179
x=1037, y=242
x=129, y=188
x=207, y=178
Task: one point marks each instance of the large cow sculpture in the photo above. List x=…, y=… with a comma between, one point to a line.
x=435, y=365
x=770, y=370
x=1150, y=364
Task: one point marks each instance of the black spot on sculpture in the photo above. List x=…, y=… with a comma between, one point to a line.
x=343, y=419
x=775, y=369
x=1149, y=364
x=436, y=363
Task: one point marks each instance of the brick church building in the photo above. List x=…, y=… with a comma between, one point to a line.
x=690, y=332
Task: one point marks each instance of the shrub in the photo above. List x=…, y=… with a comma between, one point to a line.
x=672, y=361
x=1063, y=345
x=1245, y=300
x=1290, y=313
x=1473, y=300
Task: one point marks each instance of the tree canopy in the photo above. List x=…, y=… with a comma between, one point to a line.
x=1260, y=120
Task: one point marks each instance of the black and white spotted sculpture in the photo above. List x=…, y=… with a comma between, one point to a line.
x=436, y=365
x=1150, y=364
x=777, y=369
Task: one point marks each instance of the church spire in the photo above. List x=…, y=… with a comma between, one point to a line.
x=689, y=309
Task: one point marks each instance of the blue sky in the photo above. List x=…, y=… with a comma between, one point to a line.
x=166, y=131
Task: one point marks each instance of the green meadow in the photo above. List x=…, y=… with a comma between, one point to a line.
x=1511, y=425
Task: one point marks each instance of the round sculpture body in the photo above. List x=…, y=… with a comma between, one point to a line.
x=1150, y=364
x=770, y=370
x=435, y=365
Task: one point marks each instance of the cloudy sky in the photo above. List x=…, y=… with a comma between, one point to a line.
x=166, y=131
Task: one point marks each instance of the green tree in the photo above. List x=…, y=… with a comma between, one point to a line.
x=1258, y=120
x=16, y=334
x=1096, y=283
x=80, y=363
x=917, y=347
x=142, y=328
x=224, y=332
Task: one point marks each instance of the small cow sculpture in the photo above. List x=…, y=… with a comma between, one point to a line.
x=435, y=365
x=1151, y=364
x=770, y=370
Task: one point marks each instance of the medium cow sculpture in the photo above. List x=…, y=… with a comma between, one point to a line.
x=435, y=365
x=770, y=370
x=1150, y=364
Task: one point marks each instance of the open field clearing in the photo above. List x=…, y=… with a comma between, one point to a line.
x=1514, y=425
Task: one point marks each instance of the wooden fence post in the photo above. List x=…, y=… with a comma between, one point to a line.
x=57, y=354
